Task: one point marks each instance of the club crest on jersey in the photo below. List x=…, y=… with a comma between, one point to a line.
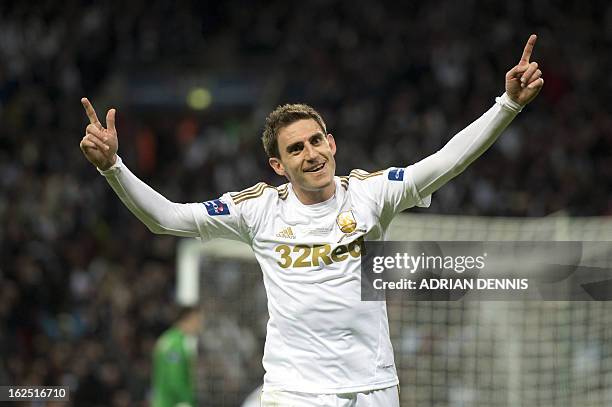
x=396, y=174
x=346, y=222
x=216, y=207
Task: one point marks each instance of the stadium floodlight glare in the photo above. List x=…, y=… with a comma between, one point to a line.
x=199, y=98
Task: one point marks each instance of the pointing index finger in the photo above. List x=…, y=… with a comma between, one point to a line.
x=528, y=49
x=91, y=113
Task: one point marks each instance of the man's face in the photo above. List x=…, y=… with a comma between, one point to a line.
x=307, y=160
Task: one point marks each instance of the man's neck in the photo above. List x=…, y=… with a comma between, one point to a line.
x=188, y=327
x=314, y=197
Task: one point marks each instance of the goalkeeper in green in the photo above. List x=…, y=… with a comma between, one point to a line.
x=174, y=362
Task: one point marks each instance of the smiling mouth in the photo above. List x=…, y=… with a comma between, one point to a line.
x=316, y=168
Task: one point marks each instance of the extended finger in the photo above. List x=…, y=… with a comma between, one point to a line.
x=97, y=142
x=91, y=113
x=110, y=120
x=528, y=49
x=527, y=74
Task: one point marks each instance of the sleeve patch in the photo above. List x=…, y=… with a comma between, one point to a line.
x=396, y=174
x=217, y=207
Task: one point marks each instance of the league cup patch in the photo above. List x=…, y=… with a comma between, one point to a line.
x=396, y=174
x=216, y=207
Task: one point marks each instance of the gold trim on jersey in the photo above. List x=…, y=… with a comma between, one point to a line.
x=248, y=190
x=283, y=191
x=344, y=181
x=361, y=174
x=257, y=190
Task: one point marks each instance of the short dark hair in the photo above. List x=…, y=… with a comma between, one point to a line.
x=282, y=117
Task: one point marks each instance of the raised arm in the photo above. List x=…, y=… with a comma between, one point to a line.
x=523, y=83
x=99, y=145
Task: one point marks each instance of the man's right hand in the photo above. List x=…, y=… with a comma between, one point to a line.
x=100, y=144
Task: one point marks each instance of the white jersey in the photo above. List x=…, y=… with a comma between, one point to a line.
x=321, y=337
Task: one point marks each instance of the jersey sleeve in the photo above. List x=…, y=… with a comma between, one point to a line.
x=402, y=188
x=463, y=148
x=207, y=220
x=221, y=218
x=388, y=192
x=399, y=191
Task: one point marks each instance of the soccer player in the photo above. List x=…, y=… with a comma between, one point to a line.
x=324, y=346
x=174, y=362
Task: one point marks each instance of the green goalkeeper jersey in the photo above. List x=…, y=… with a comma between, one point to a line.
x=173, y=370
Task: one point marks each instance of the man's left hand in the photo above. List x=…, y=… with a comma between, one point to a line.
x=524, y=81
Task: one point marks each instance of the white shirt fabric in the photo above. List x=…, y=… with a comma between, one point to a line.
x=253, y=399
x=321, y=338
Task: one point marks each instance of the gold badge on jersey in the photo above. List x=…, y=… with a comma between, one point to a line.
x=346, y=222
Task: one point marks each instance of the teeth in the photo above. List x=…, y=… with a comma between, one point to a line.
x=313, y=169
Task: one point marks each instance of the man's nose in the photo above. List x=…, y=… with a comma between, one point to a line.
x=310, y=152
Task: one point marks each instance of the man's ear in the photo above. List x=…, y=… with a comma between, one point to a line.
x=332, y=143
x=277, y=166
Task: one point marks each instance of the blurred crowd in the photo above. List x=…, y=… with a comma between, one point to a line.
x=85, y=289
